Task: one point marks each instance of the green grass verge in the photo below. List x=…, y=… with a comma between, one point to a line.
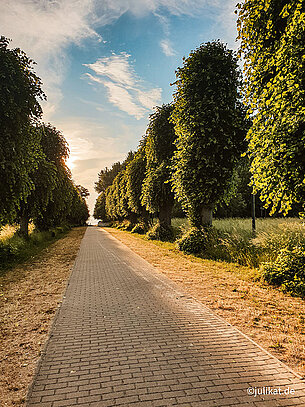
x=15, y=249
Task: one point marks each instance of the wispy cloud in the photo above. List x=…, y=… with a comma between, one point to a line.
x=44, y=29
x=167, y=48
x=125, y=89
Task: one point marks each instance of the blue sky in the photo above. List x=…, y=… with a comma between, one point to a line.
x=105, y=64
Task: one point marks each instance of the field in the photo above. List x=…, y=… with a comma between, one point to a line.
x=232, y=239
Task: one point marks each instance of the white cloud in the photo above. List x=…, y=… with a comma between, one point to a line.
x=116, y=68
x=121, y=98
x=167, y=48
x=124, y=88
x=149, y=98
x=44, y=29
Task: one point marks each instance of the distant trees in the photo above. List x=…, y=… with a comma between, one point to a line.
x=273, y=45
x=190, y=149
x=141, y=185
x=35, y=182
x=157, y=195
x=210, y=125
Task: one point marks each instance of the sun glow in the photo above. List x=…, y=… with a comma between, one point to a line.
x=71, y=162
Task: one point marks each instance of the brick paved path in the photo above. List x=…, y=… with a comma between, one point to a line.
x=126, y=336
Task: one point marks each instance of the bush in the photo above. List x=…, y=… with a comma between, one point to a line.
x=7, y=252
x=287, y=271
x=140, y=228
x=194, y=241
x=160, y=232
x=125, y=225
x=237, y=247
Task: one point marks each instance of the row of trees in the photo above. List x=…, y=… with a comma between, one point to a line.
x=190, y=148
x=35, y=181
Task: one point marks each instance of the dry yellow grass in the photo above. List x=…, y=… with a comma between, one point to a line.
x=6, y=232
x=271, y=318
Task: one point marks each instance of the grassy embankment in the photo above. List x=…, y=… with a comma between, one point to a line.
x=15, y=249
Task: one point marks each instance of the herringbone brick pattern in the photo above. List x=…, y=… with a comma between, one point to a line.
x=127, y=336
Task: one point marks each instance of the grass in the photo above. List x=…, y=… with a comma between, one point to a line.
x=15, y=249
x=232, y=239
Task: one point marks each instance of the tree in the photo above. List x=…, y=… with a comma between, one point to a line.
x=100, y=207
x=210, y=126
x=273, y=45
x=107, y=176
x=116, y=199
x=135, y=174
x=79, y=212
x=46, y=177
x=157, y=195
x=84, y=192
x=20, y=150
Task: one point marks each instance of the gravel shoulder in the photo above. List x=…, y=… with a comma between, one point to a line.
x=271, y=318
x=29, y=297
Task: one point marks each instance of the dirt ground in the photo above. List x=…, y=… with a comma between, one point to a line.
x=29, y=297
x=271, y=318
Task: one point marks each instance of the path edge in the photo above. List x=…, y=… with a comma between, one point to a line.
x=44, y=349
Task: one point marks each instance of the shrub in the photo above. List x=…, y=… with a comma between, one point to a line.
x=125, y=225
x=140, y=228
x=7, y=252
x=287, y=271
x=161, y=232
x=194, y=241
x=237, y=247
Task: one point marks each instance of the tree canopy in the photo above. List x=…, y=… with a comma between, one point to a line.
x=210, y=127
x=20, y=150
x=272, y=35
x=157, y=195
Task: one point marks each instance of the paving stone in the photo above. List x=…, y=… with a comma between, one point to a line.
x=125, y=335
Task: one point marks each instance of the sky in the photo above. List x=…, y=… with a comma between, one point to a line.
x=105, y=64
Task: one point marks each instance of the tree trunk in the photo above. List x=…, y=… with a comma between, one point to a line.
x=165, y=214
x=206, y=216
x=24, y=225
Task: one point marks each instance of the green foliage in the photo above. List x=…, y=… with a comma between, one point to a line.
x=20, y=149
x=100, y=207
x=16, y=249
x=35, y=182
x=210, y=124
x=193, y=241
x=7, y=252
x=116, y=195
x=140, y=228
x=107, y=176
x=161, y=231
x=157, y=196
x=45, y=178
x=272, y=37
x=287, y=271
x=135, y=173
x=232, y=240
